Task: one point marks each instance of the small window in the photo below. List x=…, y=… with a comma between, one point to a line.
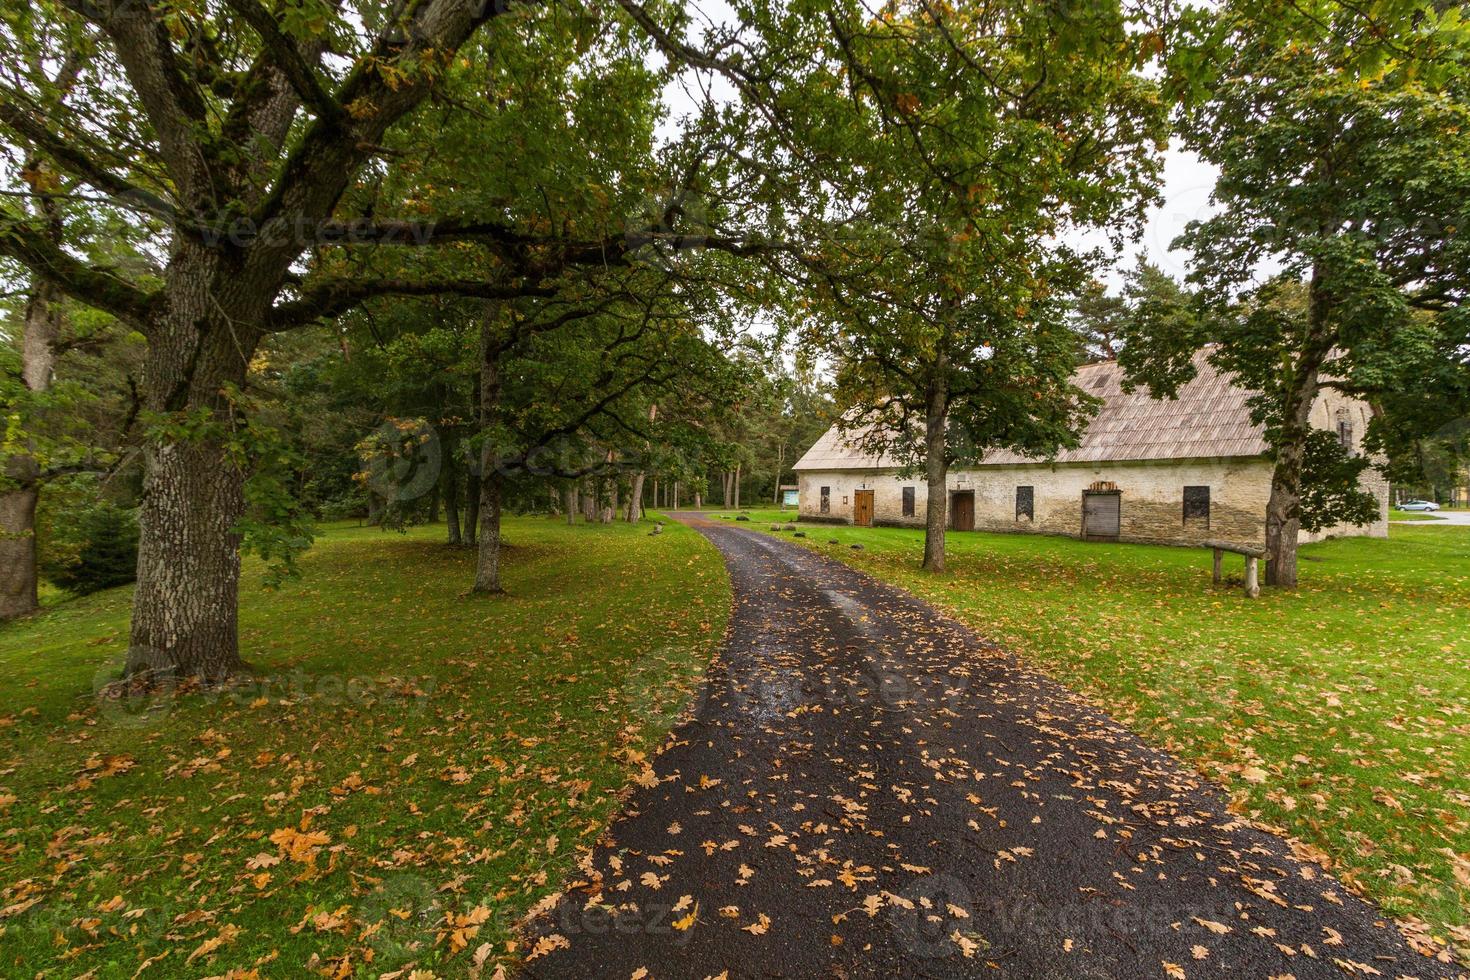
x=1026, y=503
x=826, y=500
x=1197, y=505
x=1344, y=428
x=908, y=501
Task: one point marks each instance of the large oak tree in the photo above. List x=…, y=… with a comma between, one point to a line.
x=1342, y=134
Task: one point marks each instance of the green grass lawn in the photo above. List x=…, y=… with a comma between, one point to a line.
x=1339, y=711
x=410, y=770
x=1394, y=514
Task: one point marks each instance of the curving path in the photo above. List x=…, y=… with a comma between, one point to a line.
x=866, y=789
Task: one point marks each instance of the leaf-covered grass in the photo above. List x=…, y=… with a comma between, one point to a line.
x=408, y=772
x=1339, y=711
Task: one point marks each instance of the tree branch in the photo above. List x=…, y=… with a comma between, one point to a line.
x=333, y=297
x=287, y=57
x=91, y=285
x=44, y=138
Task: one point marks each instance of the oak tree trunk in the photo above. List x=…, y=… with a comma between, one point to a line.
x=570, y=502
x=487, y=569
x=936, y=470
x=21, y=473
x=1284, y=508
x=18, y=595
x=187, y=597
x=635, y=499
x=185, y=606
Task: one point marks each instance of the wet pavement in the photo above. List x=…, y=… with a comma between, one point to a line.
x=867, y=789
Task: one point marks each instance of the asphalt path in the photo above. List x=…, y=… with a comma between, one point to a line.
x=866, y=789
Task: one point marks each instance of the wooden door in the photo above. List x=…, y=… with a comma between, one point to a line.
x=1101, y=515
x=862, y=508
x=962, y=510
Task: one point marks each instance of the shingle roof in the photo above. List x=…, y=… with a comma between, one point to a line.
x=1209, y=419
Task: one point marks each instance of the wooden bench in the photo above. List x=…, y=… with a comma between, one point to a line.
x=1252, y=557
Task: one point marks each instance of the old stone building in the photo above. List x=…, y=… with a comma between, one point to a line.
x=1176, y=471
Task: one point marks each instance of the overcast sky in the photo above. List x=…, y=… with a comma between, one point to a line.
x=1187, y=184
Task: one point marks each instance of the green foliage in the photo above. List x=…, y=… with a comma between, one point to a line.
x=940, y=285
x=93, y=545
x=1331, y=491
x=275, y=525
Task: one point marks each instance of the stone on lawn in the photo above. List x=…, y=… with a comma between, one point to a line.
x=857, y=547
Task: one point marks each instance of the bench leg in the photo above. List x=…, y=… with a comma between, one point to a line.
x=1218, y=556
x=1252, y=584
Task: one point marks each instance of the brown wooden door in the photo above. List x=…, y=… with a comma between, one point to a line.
x=1101, y=515
x=862, y=508
x=962, y=510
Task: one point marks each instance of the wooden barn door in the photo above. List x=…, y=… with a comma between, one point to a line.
x=862, y=508
x=962, y=510
x=1101, y=515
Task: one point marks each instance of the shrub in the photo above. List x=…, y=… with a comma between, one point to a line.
x=94, y=547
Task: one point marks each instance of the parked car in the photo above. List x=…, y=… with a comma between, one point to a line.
x=1418, y=505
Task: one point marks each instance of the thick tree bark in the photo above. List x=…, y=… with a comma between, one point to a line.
x=737, y=486
x=18, y=595
x=487, y=569
x=187, y=597
x=614, y=504
x=1284, y=508
x=185, y=606
x=570, y=503
x=936, y=469
x=635, y=499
